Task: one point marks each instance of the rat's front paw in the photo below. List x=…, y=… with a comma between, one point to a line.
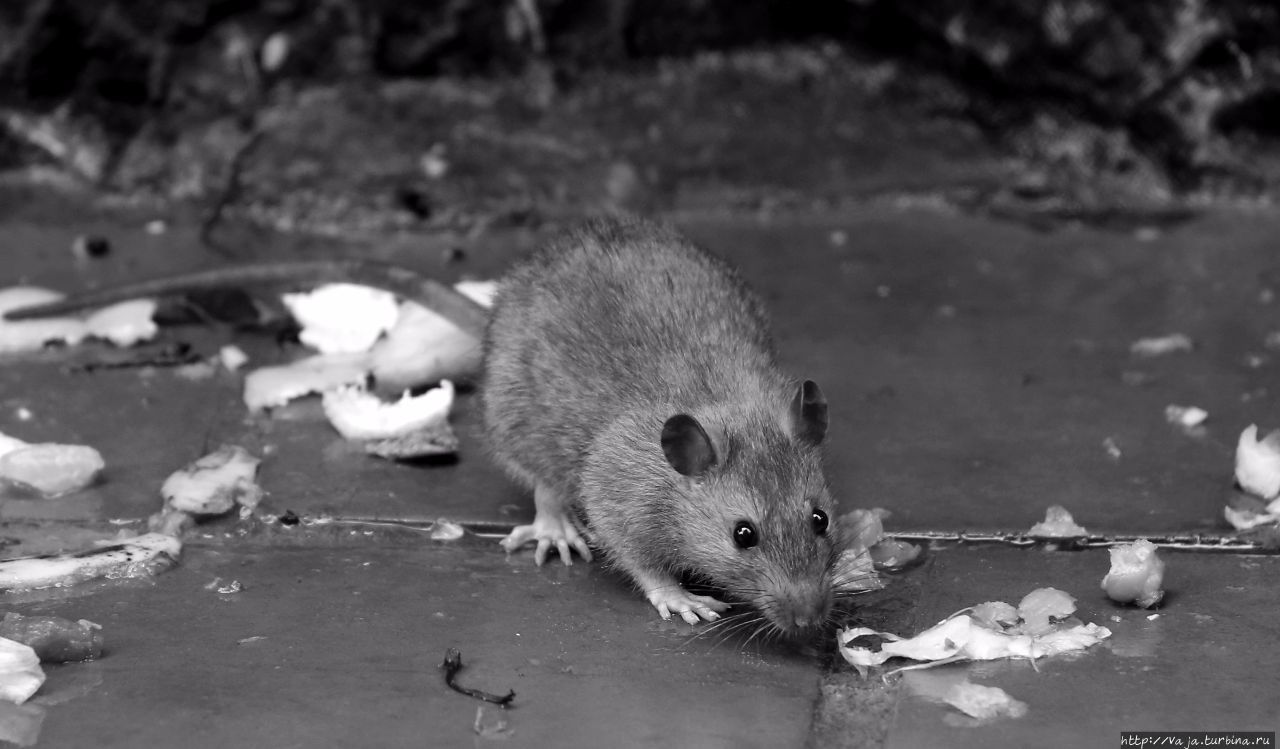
x=670, y=599
x=559, y=530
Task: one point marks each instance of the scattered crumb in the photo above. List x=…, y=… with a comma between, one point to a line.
x=215, y=483
x=445, y=530
x=1186, y=417
x=196, y=371
x=1057, y=523
x=1161, y=345
x=47, y=469
x=232, y=357
x=1136, y=575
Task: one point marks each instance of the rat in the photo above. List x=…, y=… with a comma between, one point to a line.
x=630, y=381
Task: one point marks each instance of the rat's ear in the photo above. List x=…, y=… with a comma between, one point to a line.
x=809, y=410
x=687, y=446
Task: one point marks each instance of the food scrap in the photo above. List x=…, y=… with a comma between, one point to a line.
x=212, y=485
x=141, y=556
x=272, y=387
x=342, y=318
x=1258, y=475
x=360, y=415
x=865, y=529
x=1258, y=462
x=1057, y=523
x=47, y=469
x=423, y=347
x=1042, y=608
x=232, y=357
x=1161, y=345
x=123, y=324
x=54, y=639
x=32, y=335
x=453, y=664
x=1187, y=417
x=20, y=672
x=1136, y=574
x=1044, y=627
x=215, y=483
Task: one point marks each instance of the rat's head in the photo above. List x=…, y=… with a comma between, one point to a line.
x=761, y=521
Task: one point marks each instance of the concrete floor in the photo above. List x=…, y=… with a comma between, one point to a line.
x=975, y=370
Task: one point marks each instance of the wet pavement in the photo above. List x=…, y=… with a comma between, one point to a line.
x=978, y=372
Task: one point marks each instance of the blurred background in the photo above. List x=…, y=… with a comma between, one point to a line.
x=350, y=116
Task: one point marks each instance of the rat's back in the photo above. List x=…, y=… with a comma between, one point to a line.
x=617, y=316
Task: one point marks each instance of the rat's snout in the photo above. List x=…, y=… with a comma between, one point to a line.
x=802, y=609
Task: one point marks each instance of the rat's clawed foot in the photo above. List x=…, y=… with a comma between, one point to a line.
x=559, y=532
x=672, y=599
x=552, y=525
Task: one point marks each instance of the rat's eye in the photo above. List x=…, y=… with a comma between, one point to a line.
x=820, y=521
x=744, y=534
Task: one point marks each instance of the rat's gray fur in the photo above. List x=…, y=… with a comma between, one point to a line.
x=593, y=344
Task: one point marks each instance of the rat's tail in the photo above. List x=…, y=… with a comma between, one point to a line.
x=409, y=284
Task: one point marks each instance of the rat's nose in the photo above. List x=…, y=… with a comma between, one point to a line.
x=806, y=610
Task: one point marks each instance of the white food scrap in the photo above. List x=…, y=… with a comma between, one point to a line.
x=232, y=357
x=1161, y=345
x=480, y=292
x=983, y=702
x=342, y=318
x=48, y=469
x=447, y=530
x=864, y=529
x=1243, y=519
x=1057, y=523
x=20, y=672
x=423, y=347
x=1187, y=417
x=362, y=331
x=1258, y=462
x=32, y=335
x=360, y=415
x=124, y=324
x=891, y=553
x=271, y=387
x=215, y=483
x=996, y=615
x=136, y=557
x=1136, y=575
x=965, y=636
x=1040, y=609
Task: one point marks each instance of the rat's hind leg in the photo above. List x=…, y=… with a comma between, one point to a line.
x=553, y=524
x=669, y=597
